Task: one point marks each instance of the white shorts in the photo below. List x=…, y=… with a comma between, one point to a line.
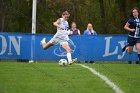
x=61, y=37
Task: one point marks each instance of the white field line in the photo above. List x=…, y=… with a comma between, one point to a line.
x=104, y=78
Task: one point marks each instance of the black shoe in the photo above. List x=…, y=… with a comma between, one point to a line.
x=91, y=62
x=86, y=61
x=129, y=62
x=124, y=48
x=137, y=62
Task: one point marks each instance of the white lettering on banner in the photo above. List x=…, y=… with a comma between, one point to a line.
x=12, y=41
x=3, y=45
x=107, y=48
x=116, y=51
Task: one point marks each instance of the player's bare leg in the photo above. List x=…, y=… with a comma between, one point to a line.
x=44, y=44
x=129, y=49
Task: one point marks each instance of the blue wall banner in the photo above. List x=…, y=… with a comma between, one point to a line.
x=96, y=48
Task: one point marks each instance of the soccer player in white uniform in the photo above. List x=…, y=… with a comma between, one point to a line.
x=61, y=37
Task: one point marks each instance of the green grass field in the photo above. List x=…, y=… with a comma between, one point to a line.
x=49, y=77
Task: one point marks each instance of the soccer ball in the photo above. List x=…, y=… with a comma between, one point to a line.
x=62, y=62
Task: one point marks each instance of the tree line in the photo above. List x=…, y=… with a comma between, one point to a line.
x=107, y=16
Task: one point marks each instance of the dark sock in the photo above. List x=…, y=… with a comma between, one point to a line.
x=124, y=48
x=139, y=58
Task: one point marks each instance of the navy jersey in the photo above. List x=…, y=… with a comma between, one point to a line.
x=134, y=24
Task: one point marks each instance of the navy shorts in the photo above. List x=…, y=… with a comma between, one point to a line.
x=132, y=41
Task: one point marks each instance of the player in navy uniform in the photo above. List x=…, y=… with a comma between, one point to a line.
x=133, y=27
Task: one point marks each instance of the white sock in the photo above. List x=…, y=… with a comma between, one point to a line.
x=69, y=57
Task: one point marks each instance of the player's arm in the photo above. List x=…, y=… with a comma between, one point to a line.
x=126, y=27
x=56, y=23
x=70, y=32
x=79, y=32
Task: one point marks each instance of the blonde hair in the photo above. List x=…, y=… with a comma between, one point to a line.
x=73, y=23
x=89, y=24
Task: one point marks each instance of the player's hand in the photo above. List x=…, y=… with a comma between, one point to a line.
x=61, y=28
x=132, y=30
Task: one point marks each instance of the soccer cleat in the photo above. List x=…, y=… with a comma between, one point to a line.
x=70, y=63
x=43, y=41
x=124, y=48
x=73, y=61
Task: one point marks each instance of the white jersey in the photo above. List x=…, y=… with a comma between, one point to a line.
x=62, y=35
x=63, y=24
